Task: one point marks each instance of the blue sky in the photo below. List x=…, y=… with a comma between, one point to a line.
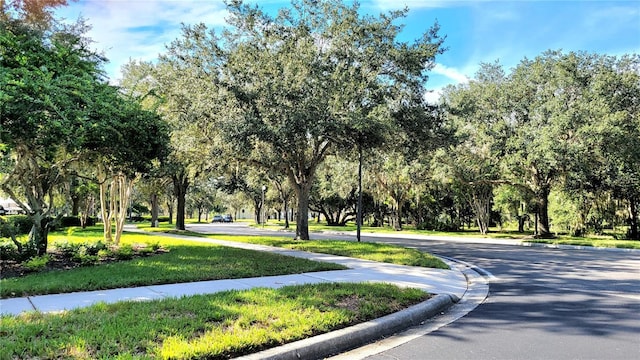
x=476, y=31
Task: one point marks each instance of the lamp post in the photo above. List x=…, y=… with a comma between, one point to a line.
x=359, y=210
x=264, y=188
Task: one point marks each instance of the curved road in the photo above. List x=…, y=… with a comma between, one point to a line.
x=542, y=304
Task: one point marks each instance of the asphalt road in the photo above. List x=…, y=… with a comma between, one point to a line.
x=542, y=304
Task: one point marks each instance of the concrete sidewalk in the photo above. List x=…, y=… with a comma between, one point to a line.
x=435, y=281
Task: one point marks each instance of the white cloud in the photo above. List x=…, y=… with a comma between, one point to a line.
x=450, y=73
x=433, y=96
x=140, y=29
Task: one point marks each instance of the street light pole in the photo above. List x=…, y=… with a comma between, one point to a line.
x=359, y=211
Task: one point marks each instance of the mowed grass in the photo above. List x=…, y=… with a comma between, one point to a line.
x=215, y=326
x=185, y=261
x=494, y=233
x=362, y=250
x=605, y=241
x=594, y=242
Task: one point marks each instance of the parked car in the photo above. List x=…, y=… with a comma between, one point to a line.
x=217, y=218
x=227, y=218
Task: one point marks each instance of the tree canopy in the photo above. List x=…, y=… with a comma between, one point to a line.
x=305, y=83
x=55, y=108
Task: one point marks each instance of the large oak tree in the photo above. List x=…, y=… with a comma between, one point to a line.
x=306, y=83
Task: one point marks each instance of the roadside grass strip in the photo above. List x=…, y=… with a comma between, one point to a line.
x=362, y=250
x=216, y=326
x=185, y=261
x=602, y=243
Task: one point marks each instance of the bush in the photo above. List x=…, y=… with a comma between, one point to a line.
x=105, y=253
x=438, y=225
x=155, y=246
x=18, y=224
x=37, y=263
x=85, y=259
x=67, y=221
x=8, y=251
x=67, y=249
x=78, y=251
x=124, y=252
x=94, y=248
x=160, y=219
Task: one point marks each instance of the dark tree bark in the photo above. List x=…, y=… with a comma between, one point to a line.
x=154, y=209
x=170, y=209
x=180, y=186
x=302, y=216
x=521, y=220
x=543, y=212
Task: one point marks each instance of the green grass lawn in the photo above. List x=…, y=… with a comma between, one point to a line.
x=408, y=229
x=362, y=250
x=606, y=240
x=591, y=241
x=186, y=261
x=215, y=326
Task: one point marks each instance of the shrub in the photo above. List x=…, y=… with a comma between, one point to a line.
x=160, y=219
x=8, y=251
x=18, y=224
x=67, y=249
x=95, y=247
x=37, y=263
x=104, y=253
x=85, y=253
x=155, y=246
x=124, y=252
x=68, y=221
x=85, y=259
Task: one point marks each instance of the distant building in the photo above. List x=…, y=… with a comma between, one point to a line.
x=10, y=207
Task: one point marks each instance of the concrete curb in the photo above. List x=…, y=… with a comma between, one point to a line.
x=335, y=342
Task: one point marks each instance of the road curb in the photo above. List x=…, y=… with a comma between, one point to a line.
x=335, y=342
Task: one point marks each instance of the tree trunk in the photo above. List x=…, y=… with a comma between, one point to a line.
x=285, y=206
x=84, y=216
x=521, y=221
x=180, y=186
x=124, y=186
x=75, y=205
x=104, y=210
x=257, y=207
x=633, y=219
x=155, y=207
x=543, y=212
x=302, y=216
x=170, y=210
x=38, y=236
x=481, y=204
x=397, y=215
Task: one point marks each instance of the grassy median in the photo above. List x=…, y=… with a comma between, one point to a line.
x=363, y=250
x=215, y=326
x=185, y=261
